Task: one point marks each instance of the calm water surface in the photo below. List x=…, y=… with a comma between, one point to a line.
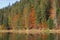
x=22, y=36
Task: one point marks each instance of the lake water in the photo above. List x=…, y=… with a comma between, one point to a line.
x=23, y=36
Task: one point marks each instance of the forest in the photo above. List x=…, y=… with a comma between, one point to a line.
x=31, y=14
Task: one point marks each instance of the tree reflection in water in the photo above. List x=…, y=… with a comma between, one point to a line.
x=40, y=36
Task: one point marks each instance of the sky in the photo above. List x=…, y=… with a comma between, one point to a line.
x=4, y=3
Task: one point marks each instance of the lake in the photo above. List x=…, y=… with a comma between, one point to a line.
x=24, y=36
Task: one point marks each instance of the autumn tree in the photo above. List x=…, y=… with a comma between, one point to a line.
x=52, y=13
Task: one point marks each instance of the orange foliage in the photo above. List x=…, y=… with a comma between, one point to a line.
x=14, y=20
x=51, y=13
x=15, y=17
x=32, y=18
x=42, y=25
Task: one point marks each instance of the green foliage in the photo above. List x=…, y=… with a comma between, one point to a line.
x=40, y=8
x=50, y=23
x=58, y=11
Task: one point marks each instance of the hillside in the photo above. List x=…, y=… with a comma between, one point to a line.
x=31, y=14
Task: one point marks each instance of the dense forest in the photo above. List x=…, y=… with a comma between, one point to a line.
x=31, y=14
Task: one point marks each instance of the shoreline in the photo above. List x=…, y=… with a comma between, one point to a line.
x=33, y=31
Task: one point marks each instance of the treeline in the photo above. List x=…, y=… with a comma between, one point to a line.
x=31, y=14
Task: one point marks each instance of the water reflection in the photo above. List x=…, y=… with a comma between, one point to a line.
x=41, y=36
x=4, y=36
